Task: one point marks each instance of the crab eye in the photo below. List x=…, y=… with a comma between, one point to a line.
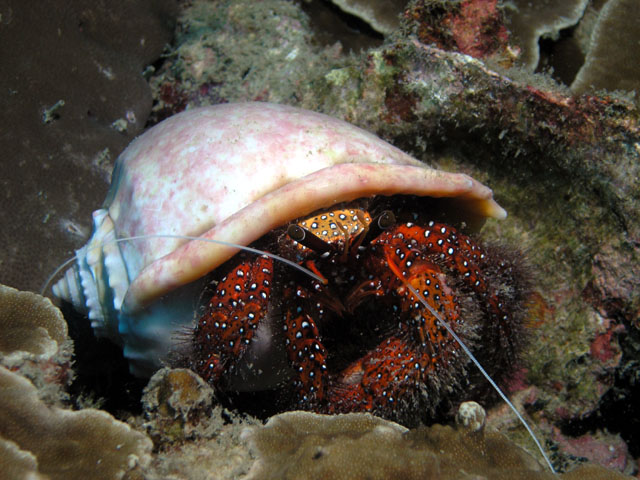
x=308, y=239
x=296, y=232
x=385, y=220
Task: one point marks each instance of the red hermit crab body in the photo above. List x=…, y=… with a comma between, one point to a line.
x=361, y=340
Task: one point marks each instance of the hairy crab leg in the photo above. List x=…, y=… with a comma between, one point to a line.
x=465, y=259
x=422, y=353
x=240, y=302
x=307, y=356
x=435, y=261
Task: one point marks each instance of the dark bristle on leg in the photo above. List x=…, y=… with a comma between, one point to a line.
x=503, y=333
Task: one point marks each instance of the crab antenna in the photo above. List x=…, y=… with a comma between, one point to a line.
x=466, y=350
x=292, y=264
x=55, y=273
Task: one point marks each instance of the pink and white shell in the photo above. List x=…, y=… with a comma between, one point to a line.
x=229, y=172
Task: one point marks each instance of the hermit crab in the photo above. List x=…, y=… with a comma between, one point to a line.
x=364, y=217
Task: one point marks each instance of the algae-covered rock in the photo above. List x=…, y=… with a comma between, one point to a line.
x=175, y=403
x=194, y=437
x=234, y=51
x=474, y=27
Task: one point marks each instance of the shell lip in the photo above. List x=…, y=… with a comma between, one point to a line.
x=325, y=187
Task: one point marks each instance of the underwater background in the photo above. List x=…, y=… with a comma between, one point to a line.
x=533, y=99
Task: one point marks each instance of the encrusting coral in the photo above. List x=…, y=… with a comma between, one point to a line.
x=608, y=64
x=31, y=326
x=65, y=444
x=360, y=446
x=383, y=15
x=38, y=440
x=18, y=464
x=34, y=341
x=529, y=21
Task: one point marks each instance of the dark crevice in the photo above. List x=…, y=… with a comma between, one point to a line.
x=330, y=25
x=562, y=58
x=102, y=373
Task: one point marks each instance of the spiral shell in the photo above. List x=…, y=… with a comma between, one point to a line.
x=229, y=172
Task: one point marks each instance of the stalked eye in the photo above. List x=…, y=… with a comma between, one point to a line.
x=308, y=239
x=385, y=220
x=296, y=232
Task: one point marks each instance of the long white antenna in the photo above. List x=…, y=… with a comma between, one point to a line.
x=466, y=350
x=292, y=264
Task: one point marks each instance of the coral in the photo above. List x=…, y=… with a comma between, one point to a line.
x=34, y=341
x=359, y=446
x=18, y=464
x=596, y=54
x=611, y=63
x=31, y=326
x=529, y=21
x=65, y=444
x=382, y=15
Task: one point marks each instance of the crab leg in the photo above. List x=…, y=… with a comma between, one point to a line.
x=307, y=356
x=463, y=258
x=239, y=303
x=421, y=352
